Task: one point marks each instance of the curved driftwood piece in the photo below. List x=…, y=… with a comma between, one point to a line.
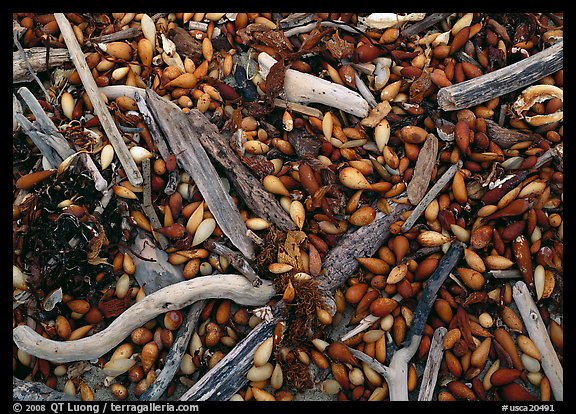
x=36, y=391
x=174, y=357
x=173, y=297
x=502, y=81
x=303, y=87
x=538, y=333
x=340, y=262
x=37, y=59
x=185, y=133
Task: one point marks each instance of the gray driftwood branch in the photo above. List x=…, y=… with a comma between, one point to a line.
x=502, y=81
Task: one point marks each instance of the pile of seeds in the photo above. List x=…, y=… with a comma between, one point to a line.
x=342, y=119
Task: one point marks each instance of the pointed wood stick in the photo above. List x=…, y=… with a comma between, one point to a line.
x=430, y=195
x=539, y=335
x=422, y=25
x=502, y=81
x=106, y=120
x=432, y=365
x=147, y=204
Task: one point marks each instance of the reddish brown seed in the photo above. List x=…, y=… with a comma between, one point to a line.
x=470, y=70
x=338, y=351
x=516, y=392
x=382, y=306
x=481, y=237
x=461, y=391
x=462, y=137
x=503, y=376
x=28, y=181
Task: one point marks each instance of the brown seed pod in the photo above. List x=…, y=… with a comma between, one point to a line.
x=338, y=351
x=516, y=392
x=459, y=390
x=383, y=306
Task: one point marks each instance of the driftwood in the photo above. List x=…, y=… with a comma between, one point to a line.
x=147, y=204
x=340, y=262
x=36, y=57
x=229, y=375
x=502, y=81
x=432, y=365
x=237, y=261
x=129, y=33
x=259, y=201
x=396, y=373
x=422, y=175
x=173, y=297
x=185, y=135
x=422, y=25
x=303, y=87
x=174, y=357
x=538, y=333
x=430, y=195
x=36, y=391
x=155, y=272
x=100, y=109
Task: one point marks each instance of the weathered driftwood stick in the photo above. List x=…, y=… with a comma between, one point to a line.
x=396, y=374
x=185, y=135
x=422, y=25
x=296, y=107
x=229, y=375
x=147, y=204
x=433, y=362
x=173, y=297
x=425, y=163
x=36, y=391
x=236, y=260
x=303, y=88
x=553, y=153
x=430, y=195
x=54, y=138
x=129, y=33
x=261, y=202
x=364, y=90
x=505, y=137
x=100, y=109
x=153, y=127
x=434, y=282
x=36, y=57
x=174, y=357
x=340, y=262
x=537, y=332
x=502, y=81
x=156, y=272
x=51, y=142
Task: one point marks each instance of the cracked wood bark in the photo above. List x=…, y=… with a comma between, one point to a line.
x=37, y=58
x=100, y=109
x=340, y=262
x=174, y=357
x=433, y=362
x=185, y=135
x=229, y=375
x=538, y=333
x=36, y=391
x=257, y=199
x=173, y=297
x=502, y=81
